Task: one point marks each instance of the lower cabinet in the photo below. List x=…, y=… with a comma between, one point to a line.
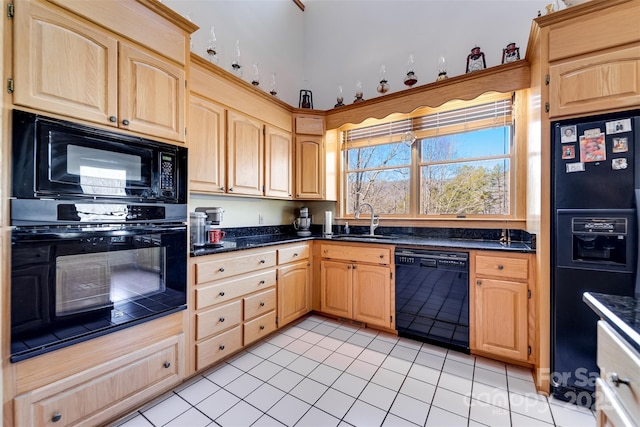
x=354, y=287
x=294, y=282
x=95, y=395
x=235, y=302
x=501, y=299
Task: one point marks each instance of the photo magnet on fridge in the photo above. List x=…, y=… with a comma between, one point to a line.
x=574, y=167
x=618, y=126
x=618, y=164
x=568, y=134
x=620, y=145
x=569, y=152
x=592, y=147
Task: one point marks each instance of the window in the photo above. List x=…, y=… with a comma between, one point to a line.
x=456, y=162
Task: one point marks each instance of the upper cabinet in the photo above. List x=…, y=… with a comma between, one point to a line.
x=239, y=137
x=594, y=61
x=65, y=64
x=245, y=151
x=207, y=137
x=310, y=156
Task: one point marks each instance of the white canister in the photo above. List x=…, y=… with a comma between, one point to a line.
x=328, y=223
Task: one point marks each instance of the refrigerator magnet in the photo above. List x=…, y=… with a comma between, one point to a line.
x=618, y=126
x=620, y=145
x=568, y=134
x=592, y=147
x=569, y=152
x=618, y=164
x=574, y=167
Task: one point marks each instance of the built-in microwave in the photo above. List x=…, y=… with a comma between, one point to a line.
x=57, y=159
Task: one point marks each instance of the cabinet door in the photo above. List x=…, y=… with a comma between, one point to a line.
x=336, y=288
x=278, y=163
x=152, y=94
x=64, y=65
x=309, y=167
x=294, y=291
x=206, y=146
x=596, y=83
x=245, y=155
x=500, y=325
x=372, y=294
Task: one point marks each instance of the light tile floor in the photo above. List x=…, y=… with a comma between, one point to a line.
x=320, y=372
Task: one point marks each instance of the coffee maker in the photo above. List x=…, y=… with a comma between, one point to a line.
x=212, y=234
x=303, y=223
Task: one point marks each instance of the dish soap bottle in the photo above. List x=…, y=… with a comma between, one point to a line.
x=346, y=228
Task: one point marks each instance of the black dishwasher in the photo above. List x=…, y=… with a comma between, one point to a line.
x=432, y=296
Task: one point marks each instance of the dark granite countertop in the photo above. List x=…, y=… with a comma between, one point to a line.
x=250, y=242
x=623, y=313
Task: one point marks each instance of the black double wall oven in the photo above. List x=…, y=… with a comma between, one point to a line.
x=99, y=236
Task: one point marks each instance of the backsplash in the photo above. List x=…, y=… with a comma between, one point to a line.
x=426, y=232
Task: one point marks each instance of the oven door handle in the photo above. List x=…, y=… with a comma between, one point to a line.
x=66, y=233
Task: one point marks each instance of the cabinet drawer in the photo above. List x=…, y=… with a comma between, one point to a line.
x=229, y=289
x=615, y=356
x=259, y=304
x=259, y=327
x=215, y=348
x=503, y=267
x=218, y=319
x=69, y=402
x=221, y=268
x=293, y=253
x=373, y=255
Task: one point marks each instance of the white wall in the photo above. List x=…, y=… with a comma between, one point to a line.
x=269, y=31
x=337, y=42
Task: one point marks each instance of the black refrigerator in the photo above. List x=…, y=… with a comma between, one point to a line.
x=594, y=199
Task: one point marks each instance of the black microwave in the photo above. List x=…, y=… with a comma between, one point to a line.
x=57, y=159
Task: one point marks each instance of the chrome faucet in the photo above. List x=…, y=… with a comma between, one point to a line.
x=375, y=219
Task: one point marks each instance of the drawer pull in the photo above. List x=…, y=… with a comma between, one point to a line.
x=221, y=319
x=221, y=293
x=478, y=282
x=262, y=282
x=262, y=261
x=113, y=119
x=326, y=251
x=125, y=122
x=295, y=254
x=261, y=304
x=56, y=417
x=221, y=347
x=500, y=267
x=167, y=364
x=615, y=378
x=261, y=327
x=221, y=269
x=381, y=256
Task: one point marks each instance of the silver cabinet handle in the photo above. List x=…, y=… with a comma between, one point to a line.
x=125, y=122
x=615, y=379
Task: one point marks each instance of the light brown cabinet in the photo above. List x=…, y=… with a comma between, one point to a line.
x=593, y=60
x=233, y=151
x=310, y=157
x=245, y=154
x=500, y=295
x=66, y=65
x=357, y=283
x=278, y=171
x=89, y=383
x=234, y=297
x=294, y=282
x=207, y=140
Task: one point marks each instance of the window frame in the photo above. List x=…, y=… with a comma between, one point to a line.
x=516, y=165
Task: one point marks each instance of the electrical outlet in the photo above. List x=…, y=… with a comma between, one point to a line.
x=260, y=219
